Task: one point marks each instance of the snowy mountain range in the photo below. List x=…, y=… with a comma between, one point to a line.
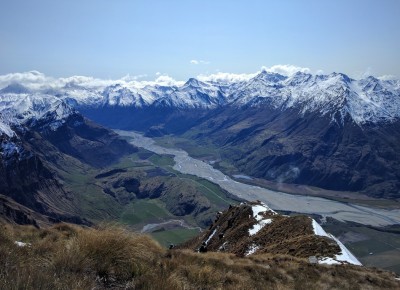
x=335, y=95
x=272, y=122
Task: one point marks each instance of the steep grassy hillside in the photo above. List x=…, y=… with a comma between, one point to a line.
x=72, y=257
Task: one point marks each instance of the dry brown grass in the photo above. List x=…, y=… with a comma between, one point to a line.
x=183, y=269
x=108, y=257
x=70, y=257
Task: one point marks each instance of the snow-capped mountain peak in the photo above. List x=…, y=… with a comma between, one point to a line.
x=192, y=82
x=28, y=109
x=335, y=95
x=269, y=77
x=341, y=77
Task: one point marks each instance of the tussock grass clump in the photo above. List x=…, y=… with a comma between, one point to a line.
x=69, y=257
x=115, y=252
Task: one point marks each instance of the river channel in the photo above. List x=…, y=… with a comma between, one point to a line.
x=274, y=199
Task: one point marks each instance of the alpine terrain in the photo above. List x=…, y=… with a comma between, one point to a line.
x=328, y=131
x=60, y=161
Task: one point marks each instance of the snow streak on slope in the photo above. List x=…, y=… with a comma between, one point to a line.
x=344, y=257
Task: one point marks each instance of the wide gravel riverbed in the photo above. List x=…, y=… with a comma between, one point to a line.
x=274, y=199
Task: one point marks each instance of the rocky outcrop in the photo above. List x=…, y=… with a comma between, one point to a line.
x=253, y=228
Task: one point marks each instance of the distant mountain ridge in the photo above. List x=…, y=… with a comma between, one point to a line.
x=337, y=95
x=329, y=131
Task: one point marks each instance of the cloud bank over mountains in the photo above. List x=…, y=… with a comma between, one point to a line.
x=36, y=80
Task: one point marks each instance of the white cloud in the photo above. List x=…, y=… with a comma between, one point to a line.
x=161, y=80
x=31, y=79
x=387, y=77
x=129, y=78
x=196, y=62
x=35, y=80
x=226, y=77
x=286, y=69
x=89, y=82
x=165, y=80
x=38, y=81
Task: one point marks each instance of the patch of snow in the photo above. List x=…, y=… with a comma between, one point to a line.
x=260, y=208
x=257, y=227
x=22, y=244
x=329, y=261
x=318, y=230
x=251, y=250
x=345, y=255
x=210, y=237
x=262, y=222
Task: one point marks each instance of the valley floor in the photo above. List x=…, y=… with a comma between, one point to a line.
x=275, y=199
x=342, y=218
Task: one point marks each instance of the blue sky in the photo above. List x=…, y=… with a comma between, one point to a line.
x=110, y=39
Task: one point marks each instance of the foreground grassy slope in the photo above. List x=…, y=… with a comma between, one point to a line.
x=71, y=257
